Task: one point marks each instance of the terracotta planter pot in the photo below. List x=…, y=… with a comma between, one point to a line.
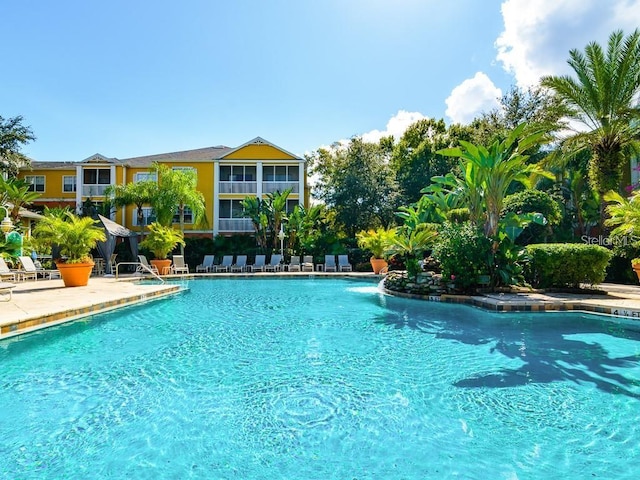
x=378, y=264
x=637, y=270
x=75, y=274
x=162, y=265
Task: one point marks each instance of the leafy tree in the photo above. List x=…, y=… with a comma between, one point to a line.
x=13, y=135
x=253, y=209
x=415, y=159
x=276, y=209
x=357, y=183
x=534, y=201
x=603, y=98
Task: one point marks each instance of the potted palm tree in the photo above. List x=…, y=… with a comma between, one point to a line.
x=377, y=242
x=160, y=241
x=75, y=237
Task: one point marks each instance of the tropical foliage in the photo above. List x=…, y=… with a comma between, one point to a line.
x=74, y=236
x=13, y=135
x=602, y=98
x=162, y=240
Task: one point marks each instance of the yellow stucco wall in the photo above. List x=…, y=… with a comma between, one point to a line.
x=259, y=152
x=52, y=183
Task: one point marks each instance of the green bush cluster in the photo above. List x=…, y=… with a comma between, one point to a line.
x=565, y=264
x=462, y=250
x=534, y=201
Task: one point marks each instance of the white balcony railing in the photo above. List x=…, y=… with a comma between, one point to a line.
x=238, y=187
x=270, y=187
x=235, y=225
x=94, y=190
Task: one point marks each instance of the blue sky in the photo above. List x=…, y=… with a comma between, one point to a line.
x=129, y=78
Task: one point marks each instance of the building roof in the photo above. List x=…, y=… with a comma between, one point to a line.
x=206, y=154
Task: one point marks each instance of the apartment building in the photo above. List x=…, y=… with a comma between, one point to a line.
x=225, y=175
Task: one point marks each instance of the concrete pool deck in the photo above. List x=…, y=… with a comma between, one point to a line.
x=45, y=303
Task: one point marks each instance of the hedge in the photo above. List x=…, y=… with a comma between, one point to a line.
x=565, y=264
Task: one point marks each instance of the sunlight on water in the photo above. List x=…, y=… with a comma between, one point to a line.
x=320, y=379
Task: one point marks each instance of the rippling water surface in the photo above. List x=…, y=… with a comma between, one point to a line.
x=320, y=379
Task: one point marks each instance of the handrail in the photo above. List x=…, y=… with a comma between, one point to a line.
x=141, y=265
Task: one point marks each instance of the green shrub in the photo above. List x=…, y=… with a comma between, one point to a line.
x=565, y=264
x=534, y=201
x=462, y=251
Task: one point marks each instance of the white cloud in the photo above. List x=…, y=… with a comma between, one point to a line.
x=471, y=97
x=396, y=126
x=538, y=34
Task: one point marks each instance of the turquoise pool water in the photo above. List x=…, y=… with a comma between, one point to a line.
x=320, y=379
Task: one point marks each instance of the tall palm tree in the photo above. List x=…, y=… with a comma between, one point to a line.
x=603, y=98
x=177, y=189
x=137, y=193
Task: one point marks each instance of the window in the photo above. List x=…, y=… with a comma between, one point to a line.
x=96, y=176
x=69, y=183
x=237, y=173
x=231, y=209
x=145, y=177
x=149, y=216
x=36, y=181
x=188, y=216
x=291, y=204
x=281, y=173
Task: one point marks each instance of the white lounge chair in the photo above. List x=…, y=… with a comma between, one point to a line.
x=274, y=263
x=330, y=263
x=343, y=264
x=145, y=266
x=206, y=265
x=5, y=272
x=6, y=289
x=307, y=263
x=240, y=264
x=227, y=261
x=53, y=273
x=294, y=263
x=28, y=270
x=179, y=267
x=259, y=264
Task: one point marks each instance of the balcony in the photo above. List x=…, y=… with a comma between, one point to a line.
x=271, y=187
x=239, y=187
x=94, y=190
x=235, y=225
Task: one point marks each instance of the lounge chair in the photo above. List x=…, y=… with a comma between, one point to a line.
x=343, y=264
x=179, y=267
x=206, y=265
x=5, y=272
x=227, y=261
x=6, y=289
x=274, y=263
x=307, y=263
x=53, y=273
x=28, y=270
x=330, y=263
x=294, y=264
x=259, y=264
x=145, y=266
x=240, y=264
x=113, y=261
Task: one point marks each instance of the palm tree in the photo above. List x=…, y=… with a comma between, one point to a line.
x=137, y=193
x=177, y=189
x=276, y=209
x=253, y=209
x=16, y=192
x=603, y=98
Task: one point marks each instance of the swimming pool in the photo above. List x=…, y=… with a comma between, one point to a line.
x=320, y=379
